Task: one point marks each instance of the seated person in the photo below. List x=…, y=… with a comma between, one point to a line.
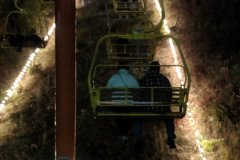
x=155, y=79
x=124, y=79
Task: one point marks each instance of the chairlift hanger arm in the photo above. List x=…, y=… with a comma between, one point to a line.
x=10, y=13
x=18, y=11
x=16, y=5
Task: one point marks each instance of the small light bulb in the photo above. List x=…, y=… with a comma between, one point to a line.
x=18, y=79
x=197, y=141
x=46, y=38
x=36, y=50
x=24, y=69
x=197, y=134
x=9, y=92
x=15, y=85
x=31, y=58
x=182, y=83
x=28, y=61
x=201, y=150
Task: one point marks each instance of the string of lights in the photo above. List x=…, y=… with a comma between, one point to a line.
x=16, y=83
x=179, y=74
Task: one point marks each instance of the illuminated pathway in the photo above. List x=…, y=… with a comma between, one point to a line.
x=179, y=74
x=12, y=90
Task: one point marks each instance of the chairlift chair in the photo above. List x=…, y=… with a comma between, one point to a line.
x=22, y=33
x=136, y=102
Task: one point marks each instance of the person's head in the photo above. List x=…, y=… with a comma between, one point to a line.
x=154, y=66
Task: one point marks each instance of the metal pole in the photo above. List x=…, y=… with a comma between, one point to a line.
x=65, y=80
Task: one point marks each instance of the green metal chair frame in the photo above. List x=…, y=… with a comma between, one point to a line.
x=99, y=106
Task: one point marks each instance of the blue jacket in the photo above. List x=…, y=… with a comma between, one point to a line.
x=123, y=78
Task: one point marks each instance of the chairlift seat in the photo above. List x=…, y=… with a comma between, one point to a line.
x=21, y=41
x=144, y=100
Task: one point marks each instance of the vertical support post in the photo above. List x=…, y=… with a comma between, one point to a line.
x=65, y=80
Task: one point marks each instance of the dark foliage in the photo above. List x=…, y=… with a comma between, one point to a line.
x=33, y=138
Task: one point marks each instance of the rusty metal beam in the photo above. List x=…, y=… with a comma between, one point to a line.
x=65, y=80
